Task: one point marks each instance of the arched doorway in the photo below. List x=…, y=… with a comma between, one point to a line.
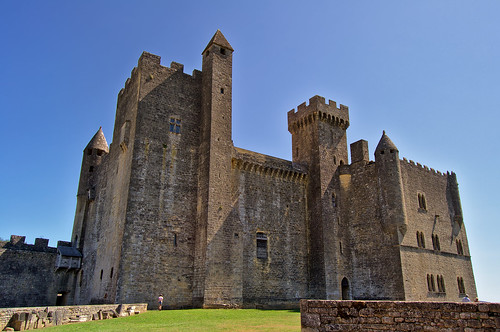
x=346, y=293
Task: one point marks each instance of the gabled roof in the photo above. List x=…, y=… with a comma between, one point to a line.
x=219, y=39
x=98, y=142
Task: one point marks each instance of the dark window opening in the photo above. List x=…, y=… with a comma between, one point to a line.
x=421, y=202
x=382, y=152
x=460, y=248
x=89, y=152
x=91, y=169
x=334, y=160
x=345, y=289
x=440, y=282
x=101, y=273
x=222, y=51
x=99, y=152
x=175, y=240
x=261, y=245
x=391, y=150
x=461, y=286
x=221, y=90
x=420, y=240
x=435, y=242
x=334, y=200
x=111, y=274
x=208, y=52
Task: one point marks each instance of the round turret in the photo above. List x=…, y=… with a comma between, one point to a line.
x=98, y=142
x=385, y=145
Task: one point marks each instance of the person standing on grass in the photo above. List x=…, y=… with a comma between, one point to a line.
x=160, y=301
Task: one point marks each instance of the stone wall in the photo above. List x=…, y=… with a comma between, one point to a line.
x=37, y=317
x=436, y=222
x=28, y=275
x=271, y=236
x=401, y=316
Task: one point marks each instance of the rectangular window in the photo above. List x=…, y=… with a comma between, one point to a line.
x=261, y=245
x=175, y=126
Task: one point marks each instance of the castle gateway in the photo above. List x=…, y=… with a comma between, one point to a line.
x=173, y=207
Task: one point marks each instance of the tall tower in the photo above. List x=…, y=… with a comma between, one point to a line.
x=319, y=141
x=213, y=269
x=391, y=188
x=93, y=154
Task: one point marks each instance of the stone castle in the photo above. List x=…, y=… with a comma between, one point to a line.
x=173, y=207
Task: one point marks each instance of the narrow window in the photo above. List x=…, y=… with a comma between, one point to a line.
x=461, y=286
x=222, y=51
x=334, y=160
x=111, y=274
x=420, y=240
x=175, y=240
x=341, y=247
x=435, y=242
x=101, y=274
x=433, y=285
x=421, y=202
x=441, y=287
x=89, y=152
x=261, y=245
x=460, y=249
x=221, y=90
x=429, y=287
x=334, y=200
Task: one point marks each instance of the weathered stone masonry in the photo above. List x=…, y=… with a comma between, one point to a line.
x=398, y=316
x=172, y=206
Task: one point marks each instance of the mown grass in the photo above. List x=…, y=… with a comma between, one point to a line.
x=195, y=320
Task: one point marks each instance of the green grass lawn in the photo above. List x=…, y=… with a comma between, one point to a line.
x=195, y=320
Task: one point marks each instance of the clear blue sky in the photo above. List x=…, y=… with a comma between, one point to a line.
x=427, y=72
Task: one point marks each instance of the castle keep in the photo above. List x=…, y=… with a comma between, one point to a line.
x=173, y=207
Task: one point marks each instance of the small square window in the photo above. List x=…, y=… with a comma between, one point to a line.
x=175, y=126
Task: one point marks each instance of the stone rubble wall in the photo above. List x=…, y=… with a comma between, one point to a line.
x=319, y=315
x=29, y=318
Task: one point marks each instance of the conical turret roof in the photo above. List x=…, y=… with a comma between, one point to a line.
x=219, y=39
x=98, y=142
x=385, y=143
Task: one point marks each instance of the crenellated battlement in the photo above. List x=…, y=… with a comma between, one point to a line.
x=149, y=62
x=17, y=242
x=423, y=167
x=318, y=109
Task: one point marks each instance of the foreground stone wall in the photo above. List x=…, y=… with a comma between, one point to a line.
x=401, y=316
x=30, y=318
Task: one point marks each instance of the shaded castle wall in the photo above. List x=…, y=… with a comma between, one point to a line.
x=437, y=218
x=106, y=211
x=370, y=249
x=27, y=274
x=270, y=204
x=319, y=141
x=158, y=244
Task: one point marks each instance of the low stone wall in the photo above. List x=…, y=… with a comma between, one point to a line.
x=29, y=318
x=319, y=315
